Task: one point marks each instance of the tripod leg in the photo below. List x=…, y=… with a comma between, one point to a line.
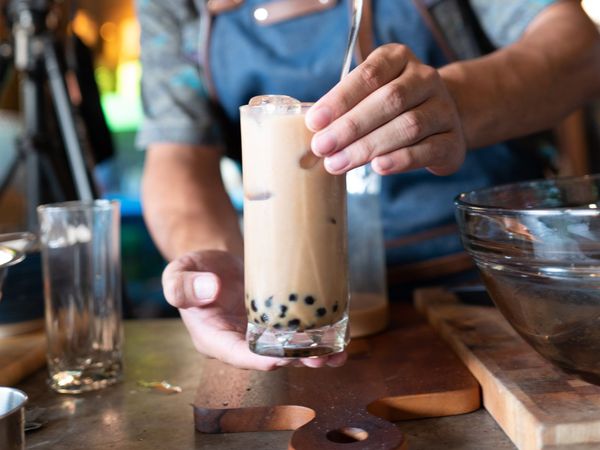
x=66, y=122
x=32, y=97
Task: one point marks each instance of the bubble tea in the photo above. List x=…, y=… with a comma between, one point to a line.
x=295, y=253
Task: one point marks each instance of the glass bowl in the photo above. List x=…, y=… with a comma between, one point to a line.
x=537, y=247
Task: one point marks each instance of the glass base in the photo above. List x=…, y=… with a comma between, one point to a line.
x=77, y=381
x=298, y=344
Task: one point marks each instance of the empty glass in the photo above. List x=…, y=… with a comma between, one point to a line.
x=80, y=244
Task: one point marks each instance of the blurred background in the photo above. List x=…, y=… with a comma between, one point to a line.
x=109, y=30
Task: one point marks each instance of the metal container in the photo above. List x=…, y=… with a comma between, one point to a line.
x=12, y=419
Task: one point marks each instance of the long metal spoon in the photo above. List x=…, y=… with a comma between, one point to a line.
x=357, y=7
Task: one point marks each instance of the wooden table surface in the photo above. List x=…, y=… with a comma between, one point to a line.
x=128, y=416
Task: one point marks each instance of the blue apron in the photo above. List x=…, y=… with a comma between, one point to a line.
x=303, y=58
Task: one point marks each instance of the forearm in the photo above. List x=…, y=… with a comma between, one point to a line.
x=532, y=84
x=185, y=204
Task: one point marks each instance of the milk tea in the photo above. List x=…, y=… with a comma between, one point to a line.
x=295, y=257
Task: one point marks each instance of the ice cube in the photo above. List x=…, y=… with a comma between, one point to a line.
x=276, y=103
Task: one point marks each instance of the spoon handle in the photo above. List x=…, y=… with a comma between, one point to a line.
x=357, y=7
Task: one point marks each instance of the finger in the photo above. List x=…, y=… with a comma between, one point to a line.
x=239, y=355
x=314, y=363
x=335, y=360
x=411, y=88
x=405, y=130
x=382, y=66
x=228, y=346
x=184, y=289
x=441, y=154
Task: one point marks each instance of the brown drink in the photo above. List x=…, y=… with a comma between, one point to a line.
x=294, y=235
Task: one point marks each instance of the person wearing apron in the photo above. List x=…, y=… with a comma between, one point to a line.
x=202, y=60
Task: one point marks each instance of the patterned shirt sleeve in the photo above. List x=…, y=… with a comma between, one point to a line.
x=175, y=101
x=504, y=21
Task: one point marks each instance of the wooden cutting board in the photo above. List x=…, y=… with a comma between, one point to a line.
x=403, y=373
x=538, y=405
x=20, y=356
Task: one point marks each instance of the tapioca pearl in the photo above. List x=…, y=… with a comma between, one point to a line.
x=321, y=312
x=309, y=300
x=332, y=221
x=293, y=297
x=283, y=310
x=277, y=326
x=253, y=306
x=335, y=307
x=256, y=321
x=269, y=302
x=264, y=318
x=294, y=323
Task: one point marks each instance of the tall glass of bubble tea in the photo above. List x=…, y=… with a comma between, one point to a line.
x=295, y=251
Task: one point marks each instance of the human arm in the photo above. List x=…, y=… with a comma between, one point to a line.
x=402, y=115
x=186, y=206
x=531, y=85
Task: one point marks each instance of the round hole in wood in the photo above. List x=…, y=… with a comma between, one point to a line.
x=347, y=435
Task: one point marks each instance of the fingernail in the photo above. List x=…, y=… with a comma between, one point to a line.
x=205, y=287
x=383, y=162
x=318, y=118
x=337, y=162
x=325, y=143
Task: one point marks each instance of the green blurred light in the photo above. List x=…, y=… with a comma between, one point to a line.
x=123, y=113
x=122, y=106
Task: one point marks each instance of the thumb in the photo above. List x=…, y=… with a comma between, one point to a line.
x=189, y=289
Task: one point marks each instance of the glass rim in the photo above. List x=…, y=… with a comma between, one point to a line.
x=461, y=202
x=303, y=107
x=22, y=401
x=101, y=204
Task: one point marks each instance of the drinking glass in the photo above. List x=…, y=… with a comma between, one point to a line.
x=80, y=245
x=295, y=257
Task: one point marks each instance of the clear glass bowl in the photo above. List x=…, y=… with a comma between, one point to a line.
x=537, y=246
